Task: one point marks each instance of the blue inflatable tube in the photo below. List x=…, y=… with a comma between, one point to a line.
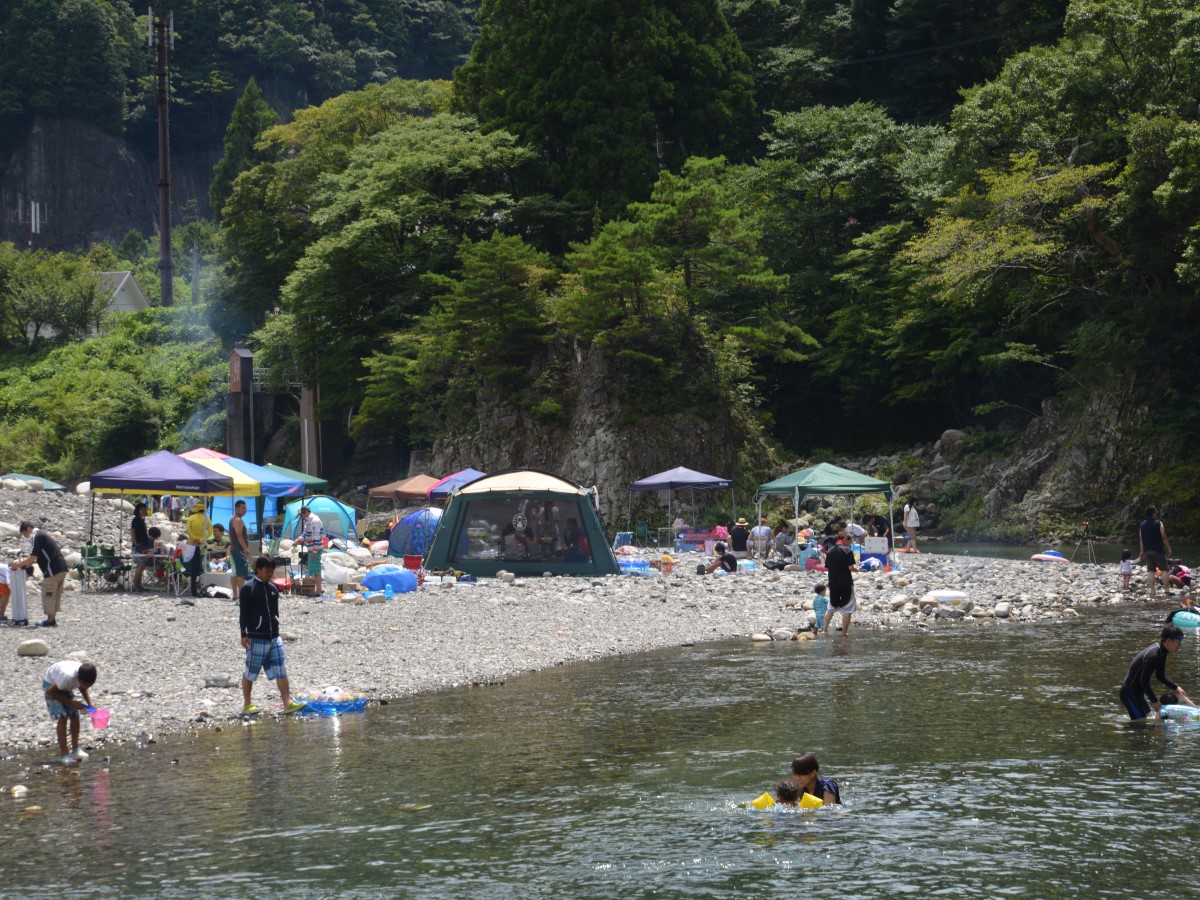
x=1178, y=713
x=1186, y=619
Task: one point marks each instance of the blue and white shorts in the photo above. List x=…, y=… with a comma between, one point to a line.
x=265, y=653
x=56, y=707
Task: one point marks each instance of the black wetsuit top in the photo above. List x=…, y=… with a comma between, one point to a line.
x=1150, y=662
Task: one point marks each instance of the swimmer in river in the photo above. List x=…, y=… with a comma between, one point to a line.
x=787, y=793
x=804, y=773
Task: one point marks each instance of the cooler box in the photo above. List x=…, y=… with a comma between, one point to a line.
x=875, y=548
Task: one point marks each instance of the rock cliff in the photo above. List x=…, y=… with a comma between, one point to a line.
x=90, y=186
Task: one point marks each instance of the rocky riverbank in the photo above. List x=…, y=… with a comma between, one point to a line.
x=160, y=661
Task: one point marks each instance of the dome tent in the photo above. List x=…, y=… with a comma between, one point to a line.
x=413, y=534
x=524, y=521
x=337, y=519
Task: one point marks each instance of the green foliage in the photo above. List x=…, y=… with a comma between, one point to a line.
x=607, y=93
x=251, y=117
x=148, y=383
x=44, y=294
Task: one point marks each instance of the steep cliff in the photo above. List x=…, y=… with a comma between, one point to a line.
x=598, y=443
x=90, y=186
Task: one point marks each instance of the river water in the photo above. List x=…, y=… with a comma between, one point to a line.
x=973, y=762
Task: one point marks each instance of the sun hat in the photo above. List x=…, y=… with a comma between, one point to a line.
x=741, y=522
x=198, y=507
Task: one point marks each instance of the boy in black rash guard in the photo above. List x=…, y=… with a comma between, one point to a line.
x=1151, y=662
x=259, y=620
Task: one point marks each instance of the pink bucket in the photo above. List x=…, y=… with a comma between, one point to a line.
x=100, y=718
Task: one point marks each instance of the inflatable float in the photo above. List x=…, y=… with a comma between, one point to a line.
x=1186, y=619
x=332, y=701
x=1049, y=556
x=1174, y=712
x=807, y=800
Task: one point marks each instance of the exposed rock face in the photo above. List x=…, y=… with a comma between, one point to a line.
x=599, y=445
x=91, y=186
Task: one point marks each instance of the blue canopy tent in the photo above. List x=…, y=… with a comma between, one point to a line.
x=451, y=483
x=273, y=487
x=159, y=473
x=413, y=534
x=676, y=478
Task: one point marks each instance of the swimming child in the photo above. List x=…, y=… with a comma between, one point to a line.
x=820, y=603
x=804, y=771
x=59, y=684
x=1126, y=568
x=787, y=793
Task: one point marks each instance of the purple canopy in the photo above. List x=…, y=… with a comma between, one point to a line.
x=161, y=473
x=448, y=484
x=679, y=477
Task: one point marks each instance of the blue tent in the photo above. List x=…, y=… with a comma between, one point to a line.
x=273, y=486
x=413, y=534
x=337, y=519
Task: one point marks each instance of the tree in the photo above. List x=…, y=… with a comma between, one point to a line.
x=251, y=117
x=609, y=92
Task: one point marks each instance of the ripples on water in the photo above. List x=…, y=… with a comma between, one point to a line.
x=990, y=762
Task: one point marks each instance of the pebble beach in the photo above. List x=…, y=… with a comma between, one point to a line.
x=166, y=666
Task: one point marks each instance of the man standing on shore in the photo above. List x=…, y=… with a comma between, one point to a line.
x=1155, y=547
x=239, y=549
x=44, y=550
x=1151, y=662
x=840, y=563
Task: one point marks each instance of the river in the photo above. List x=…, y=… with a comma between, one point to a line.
x=975, y=762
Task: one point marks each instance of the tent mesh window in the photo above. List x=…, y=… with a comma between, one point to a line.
x=522, y=529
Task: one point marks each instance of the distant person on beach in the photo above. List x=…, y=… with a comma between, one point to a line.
x=44, y=551
x=258, y=603
x=310, y=537
x=59, y=685
x=721, y=560
x=912, y=521
x=239, y=548
x=739, y=535
x=839, y=562
x=820, y=605
x=760, y=537
x=1180, y=576
x=5, y=592
x=139, y=540
x=1126, y=569
x=1155, y=547
x=805, y=771
x=1151, y=663
x=199, y=530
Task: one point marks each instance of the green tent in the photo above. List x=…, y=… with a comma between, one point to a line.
x=312, y=484
x=822, y=479
x=524, y=521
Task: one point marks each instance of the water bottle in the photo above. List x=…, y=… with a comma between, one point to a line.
x=388, y=592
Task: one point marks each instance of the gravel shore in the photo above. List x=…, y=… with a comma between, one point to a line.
x=155, y=655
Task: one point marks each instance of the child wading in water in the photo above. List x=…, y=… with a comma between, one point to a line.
x=820, y=605
x=259, y=605
x=1126, y=569
x=59, y=685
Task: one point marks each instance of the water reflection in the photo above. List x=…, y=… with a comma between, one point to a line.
x=976, y=762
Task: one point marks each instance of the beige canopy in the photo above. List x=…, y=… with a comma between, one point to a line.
x=414, y=488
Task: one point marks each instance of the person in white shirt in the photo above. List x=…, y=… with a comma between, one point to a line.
x=59, y=685
x=912, y=522
x=760, y=536
x=311, y=538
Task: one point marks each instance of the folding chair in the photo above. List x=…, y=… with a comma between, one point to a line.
x=641, y=533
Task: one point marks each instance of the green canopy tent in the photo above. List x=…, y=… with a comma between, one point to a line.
x=823, y=479
x=479, y=531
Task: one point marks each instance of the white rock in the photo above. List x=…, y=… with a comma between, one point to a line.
x=1003, y=610
x=33, y=647
x=759, y=637
x=14, y=484
x=506, y=577
x=8, y=529
x=898, y=601
x=84, y=487
x=34, y=486
x=73, y=558
x=782, y=634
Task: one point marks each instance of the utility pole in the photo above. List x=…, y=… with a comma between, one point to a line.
x=162, y=39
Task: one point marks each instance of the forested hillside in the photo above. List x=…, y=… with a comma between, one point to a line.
x=851, y=225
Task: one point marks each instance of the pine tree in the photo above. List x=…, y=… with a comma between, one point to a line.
x=251, y=117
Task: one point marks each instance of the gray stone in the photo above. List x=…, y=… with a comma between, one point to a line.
x=782, y=634
x=289, y=636
x=758, y=637
x=1002, y=610
x=33, y=647
x=220, y=680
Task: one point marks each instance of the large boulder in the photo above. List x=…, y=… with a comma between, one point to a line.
x=33, y=647
x=950, y=444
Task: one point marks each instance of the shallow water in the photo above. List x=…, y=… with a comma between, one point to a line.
x=982, y=762
x=1076, y=552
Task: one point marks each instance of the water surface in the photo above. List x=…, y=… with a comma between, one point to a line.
x=974, y=762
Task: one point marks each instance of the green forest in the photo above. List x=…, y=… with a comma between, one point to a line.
x=855, y=223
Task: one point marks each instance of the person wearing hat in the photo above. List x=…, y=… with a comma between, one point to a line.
x=199, y=531
x=739, y=535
